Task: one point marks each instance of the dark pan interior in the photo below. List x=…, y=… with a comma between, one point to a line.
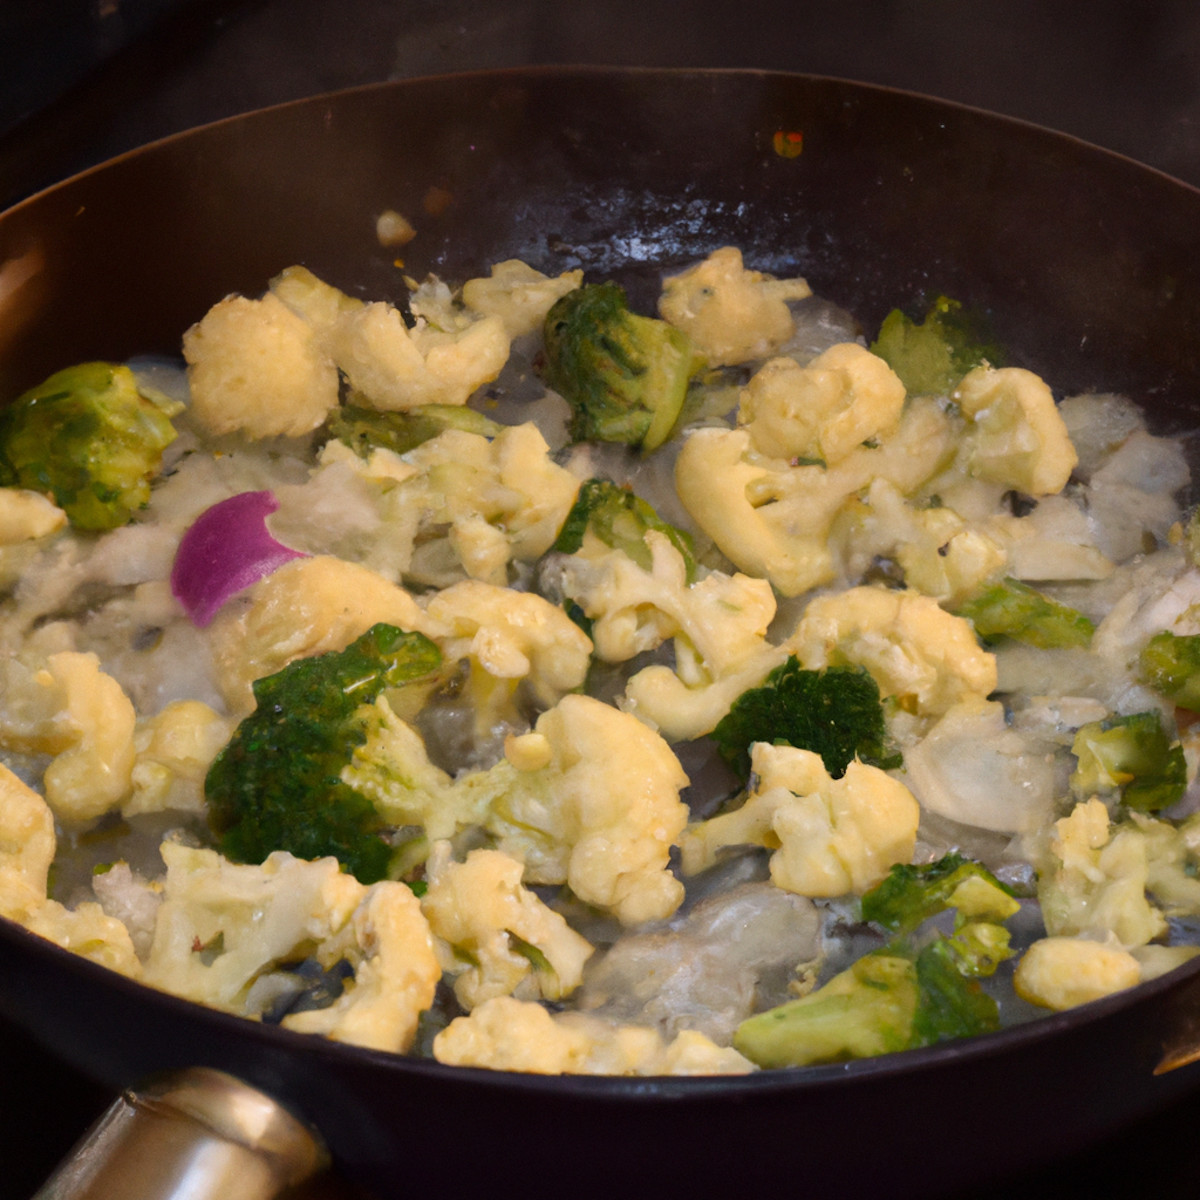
x=1088, y=266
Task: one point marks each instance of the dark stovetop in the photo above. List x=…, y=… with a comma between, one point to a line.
x=81, y=80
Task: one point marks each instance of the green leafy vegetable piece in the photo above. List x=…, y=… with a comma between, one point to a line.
x=90, y=438
x=366, y=429
x=625, y=376
x=1170, y=664
x=1015, y=610
x=949, y=1005
x=276, y=785
x=835, y=712
x=931, y=357
x=620, y=519
x=911, y=894
x=1133, y=756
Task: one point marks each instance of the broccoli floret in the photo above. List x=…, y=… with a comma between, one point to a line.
x=624, y=375
x=1015, y=610
x=277, y=784
x=367, y=429
x=91, y=438
x=1170, y=664
x=620, y=519
x=903, y=995
x=931, y=357
x=835, y=712
x=1133, y=756
x=911, y=894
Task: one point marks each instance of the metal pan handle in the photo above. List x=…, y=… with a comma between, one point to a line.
x=197, y=1134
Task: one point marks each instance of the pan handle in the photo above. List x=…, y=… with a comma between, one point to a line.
x=198, y=1134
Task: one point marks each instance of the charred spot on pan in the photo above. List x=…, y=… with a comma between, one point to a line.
x=314, y=987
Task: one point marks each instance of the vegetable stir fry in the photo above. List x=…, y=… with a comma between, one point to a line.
x=515, y=679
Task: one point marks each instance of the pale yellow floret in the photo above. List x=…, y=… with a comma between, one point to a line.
x=485, y=920
x=174, y=749
x=830, y=836
x=505, y=1034
x=93, y=774
x=309, y=606
x=26, y=516
x=1063, y=972
x=256, y=367
x=824, y=410
x=27, y=846
x=518, y=294
x=389, y=944
x=925, y=657
x=731, y=314
x=1018, y=437
x=601, y=816
x=88, y=931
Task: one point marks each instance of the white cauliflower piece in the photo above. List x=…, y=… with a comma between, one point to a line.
x=391, y=367
x=494, y=935
x=87, y=930
x=830, y=836
x=1018, y=437
x=27, y=846
x=771, y=518
x=307, y=607
x=731, y=314
x=256, y=367
x=518, y=294
x=1092, y=881
x=222, y=924
x=505, y=1034
x=1063, y=972
x=915, y=651
x=512, y=636
x=396, y=972
x=174, y=749
x=601, y=815
x=842, y=398
x=26, y=516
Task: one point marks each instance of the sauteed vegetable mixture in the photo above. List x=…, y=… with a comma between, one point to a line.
x=522, y=680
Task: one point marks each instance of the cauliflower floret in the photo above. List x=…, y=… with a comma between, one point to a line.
x=600, y=816
x=88, y=931
x=505, y=1034
x=1018, y=437
x=1062, y=972
x=771, y=518
x=1092, y=882
x=494, y=935
x=396, y=972
x=27, y=845
x=830, y=836
x=256, y=367
x=731, y=314
x=391, y=367
x=518, y=294
x=174, y=750
x=512, y=636
x=26, y=516
x=222, y=924
x=844, y=397
x=307, y=607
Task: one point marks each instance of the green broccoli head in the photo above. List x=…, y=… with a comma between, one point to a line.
x=1170, y=664
x=1132, y=756
x=367, y=429
x=277, y=784
x=835, y=712
x=1011, y=609
x=625, y=376
x=911, y=894
x=933, y=356
x=620, y=519
x=90, y=438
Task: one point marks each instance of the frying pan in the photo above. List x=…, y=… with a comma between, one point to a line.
x=1089, y=266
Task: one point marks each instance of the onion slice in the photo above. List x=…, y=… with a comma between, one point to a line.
x=226, y=549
